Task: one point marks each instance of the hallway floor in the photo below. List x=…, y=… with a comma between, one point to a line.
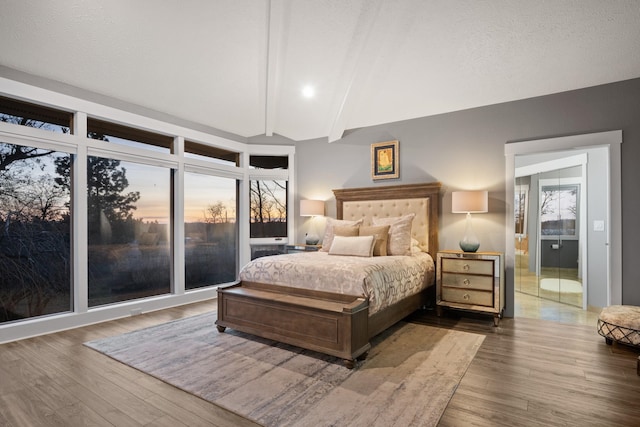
x=532, y=307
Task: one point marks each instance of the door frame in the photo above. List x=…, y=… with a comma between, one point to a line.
x=611, y=140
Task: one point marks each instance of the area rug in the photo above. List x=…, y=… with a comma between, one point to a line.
x=407, y=380
x=561, y=285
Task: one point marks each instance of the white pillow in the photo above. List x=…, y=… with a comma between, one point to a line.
x=353, y=246
x=328, y=232
x=399, y=233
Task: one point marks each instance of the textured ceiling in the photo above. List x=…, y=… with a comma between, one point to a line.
x=239, y=66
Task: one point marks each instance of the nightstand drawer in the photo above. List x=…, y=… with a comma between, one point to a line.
x=470, y=266
x=466, y=296
x=467, y=281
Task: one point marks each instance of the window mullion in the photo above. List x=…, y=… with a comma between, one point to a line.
x=78, y=208
x=177, y=221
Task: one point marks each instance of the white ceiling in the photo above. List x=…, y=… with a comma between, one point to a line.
x=240, y=65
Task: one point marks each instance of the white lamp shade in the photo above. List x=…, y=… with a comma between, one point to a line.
x=311, y=207
x=469, y=202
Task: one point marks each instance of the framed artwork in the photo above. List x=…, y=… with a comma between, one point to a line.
x=384, y=160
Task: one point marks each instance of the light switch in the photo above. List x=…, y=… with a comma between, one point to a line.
x=598, y=225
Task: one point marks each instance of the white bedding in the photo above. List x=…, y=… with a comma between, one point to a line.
x=384, y=280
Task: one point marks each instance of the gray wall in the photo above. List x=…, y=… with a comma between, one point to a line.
x=465, y=150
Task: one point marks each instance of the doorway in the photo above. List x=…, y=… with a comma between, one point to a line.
x=599, y=264
x=550, y=212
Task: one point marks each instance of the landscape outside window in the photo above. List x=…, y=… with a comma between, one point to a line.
x=268, y=198
x=268, y=208
x=129, y=230
x=35, y=243
x=211, y=232
x=558, y=210
x=129, y=247
x=35, y=234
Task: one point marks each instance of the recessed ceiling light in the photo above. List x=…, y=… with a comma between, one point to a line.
x=308, y=91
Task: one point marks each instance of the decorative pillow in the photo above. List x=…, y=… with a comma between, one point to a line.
x=415, y=246
x=346, y=230
x=399, y=233
x=381, y=234
x=353, y=246
x=328, y=232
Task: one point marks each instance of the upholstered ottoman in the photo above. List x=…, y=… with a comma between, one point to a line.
x=621, y=323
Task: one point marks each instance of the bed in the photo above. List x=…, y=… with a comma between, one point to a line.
x=335, y=317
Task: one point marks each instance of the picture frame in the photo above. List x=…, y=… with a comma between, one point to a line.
x=384, y=160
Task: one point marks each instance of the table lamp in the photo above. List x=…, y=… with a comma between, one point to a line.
x=311, y=208
x=469, y=202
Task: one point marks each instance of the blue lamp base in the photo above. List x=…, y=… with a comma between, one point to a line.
x=469, y=246
x=311, y=239
x=469, y=242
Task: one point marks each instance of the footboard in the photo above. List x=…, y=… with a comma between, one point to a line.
x=329, y=323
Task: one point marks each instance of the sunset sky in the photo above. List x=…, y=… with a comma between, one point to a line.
x=201, y=191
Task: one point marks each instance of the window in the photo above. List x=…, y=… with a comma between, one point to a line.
x=268, y=208
x=35, y=243
x=121, y=246
x=558, y=210
x=269, y=162
x=35, y=116
x=211, y=230
x=112, y=132
x=206, y=152
x=268, y=204
x=129, y=230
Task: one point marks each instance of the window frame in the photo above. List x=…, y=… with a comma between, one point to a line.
x=272, y=174
x=80, y=146
x=70, y=151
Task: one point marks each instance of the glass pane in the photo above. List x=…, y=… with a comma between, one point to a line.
x=129, y=233
x=132, y=137
x=560, y=238
x=35, y=116
x=268, y=209
x=558, y=209
x=268, y=162
x=211, y=154
x=525, y=234
x=35, y=242
x=211, y=232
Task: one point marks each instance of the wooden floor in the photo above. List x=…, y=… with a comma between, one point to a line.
x=528, y=372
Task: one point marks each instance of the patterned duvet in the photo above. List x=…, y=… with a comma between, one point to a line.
x=384, y=280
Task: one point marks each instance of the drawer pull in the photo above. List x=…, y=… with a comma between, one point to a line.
x=466, y=282
x=466, y=267
x=465, y=296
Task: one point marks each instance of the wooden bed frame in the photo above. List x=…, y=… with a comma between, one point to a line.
x=334, y=324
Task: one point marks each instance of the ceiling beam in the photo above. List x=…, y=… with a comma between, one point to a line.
x=354, y=72
x=275, y=27
x=380, y=30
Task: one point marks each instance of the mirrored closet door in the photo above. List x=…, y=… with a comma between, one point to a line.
x=548, y=214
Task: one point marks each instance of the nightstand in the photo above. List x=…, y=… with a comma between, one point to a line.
x=292, y=249
x=471, y=281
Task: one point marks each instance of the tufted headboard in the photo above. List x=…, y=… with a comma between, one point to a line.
x=421, y=199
